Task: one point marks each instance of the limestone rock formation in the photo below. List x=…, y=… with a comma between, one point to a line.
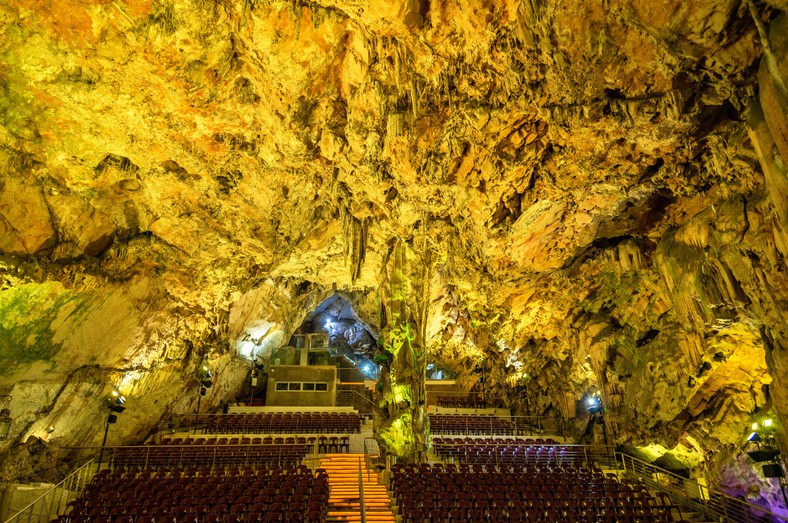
x=602, y=184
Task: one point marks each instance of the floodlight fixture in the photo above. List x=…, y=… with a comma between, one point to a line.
x=594, y=403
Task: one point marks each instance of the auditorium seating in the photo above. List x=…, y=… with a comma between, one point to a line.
x=231, y=471
x=516, y=451
x=251, y=494
x=460, y=402
x=209, y=455
x=282, y=423
x=470, y=424
x=505, y=493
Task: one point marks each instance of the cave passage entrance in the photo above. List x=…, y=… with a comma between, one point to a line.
x=350, y=341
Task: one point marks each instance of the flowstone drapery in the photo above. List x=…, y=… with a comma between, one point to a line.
x=402, y=426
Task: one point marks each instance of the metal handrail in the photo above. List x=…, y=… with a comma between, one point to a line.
x=366, y=402
x=368, y=453
x=473, y=424
x=361, y=493
x=602, y=454
x=150, y=456
x=198, y=424
x=51, y=502
x=693, y=495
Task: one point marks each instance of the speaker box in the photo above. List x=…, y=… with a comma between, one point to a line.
x=773, y=470
x=763, y=454
x=112, y=418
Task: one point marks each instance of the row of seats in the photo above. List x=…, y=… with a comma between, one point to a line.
x=209, y=495
x=460, y=402
x=336, y=444
x=520, y=454
x=495, y=441
x=283, y=423
x=470, y=424
x=268, y=440
x=167, y=456
x=521, y=494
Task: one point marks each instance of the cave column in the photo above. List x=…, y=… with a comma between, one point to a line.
x=769, y=134
x=402, y=425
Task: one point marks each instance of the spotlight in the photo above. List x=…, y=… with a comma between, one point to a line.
x=767, y=422
x=115, y=402
x=594, y=404
x=205, y=377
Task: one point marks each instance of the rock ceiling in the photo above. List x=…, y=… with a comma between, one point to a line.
x=602, y=193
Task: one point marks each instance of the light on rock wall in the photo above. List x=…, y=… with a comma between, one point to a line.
x=594, y=403
x=115, y=404
x=763, y=445
x=5, y=417
x=259, y=339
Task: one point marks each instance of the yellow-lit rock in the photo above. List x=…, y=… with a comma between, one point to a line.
x=602, y=187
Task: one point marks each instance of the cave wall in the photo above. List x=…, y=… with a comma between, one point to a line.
x=602, y=187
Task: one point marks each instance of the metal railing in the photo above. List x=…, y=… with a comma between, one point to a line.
x=271, y=423
x=695, y=496
x=459, y=400
x=371, y=452
x=361, y=493
x=54, y=502
x=351, y=375
x=473, y=425
x=352, y=398
x=205, y=456
x=535, y=454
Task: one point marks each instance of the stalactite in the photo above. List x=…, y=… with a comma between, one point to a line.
x=359, y=246
x=397, y=68
x=414, y=98
x=772, y=63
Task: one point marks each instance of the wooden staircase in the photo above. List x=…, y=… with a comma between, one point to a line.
x=343, y=501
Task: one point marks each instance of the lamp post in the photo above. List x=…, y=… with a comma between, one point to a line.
x=597, y=411
x=115, y=405
x=479, y=369
x=205, y=378
x=257, y=368
x=5, y=416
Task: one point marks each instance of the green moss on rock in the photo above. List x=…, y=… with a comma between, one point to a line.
x=27, y=314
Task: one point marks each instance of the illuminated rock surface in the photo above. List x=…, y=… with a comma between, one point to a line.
x=602, y=186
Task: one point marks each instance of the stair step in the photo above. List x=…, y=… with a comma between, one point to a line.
x=343, y=502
